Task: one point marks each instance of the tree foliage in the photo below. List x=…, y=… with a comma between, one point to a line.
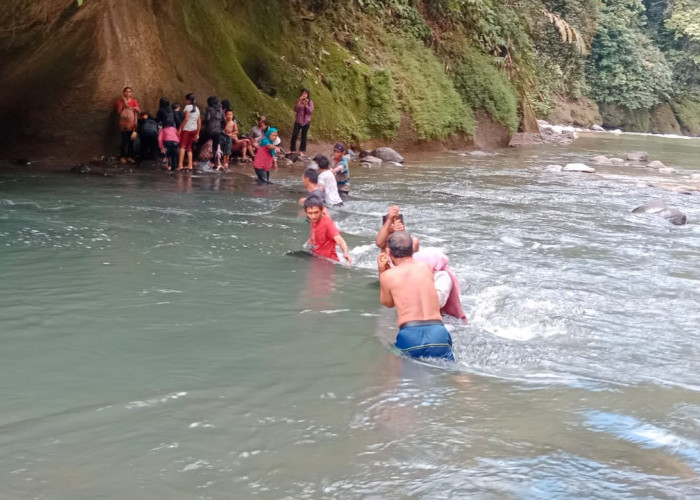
x=625, y=67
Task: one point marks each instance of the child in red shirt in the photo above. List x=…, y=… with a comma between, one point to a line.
x=323, y=234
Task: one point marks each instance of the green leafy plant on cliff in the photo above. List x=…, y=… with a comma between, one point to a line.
x=482, y=86
x=427, y=92
x=383, y=115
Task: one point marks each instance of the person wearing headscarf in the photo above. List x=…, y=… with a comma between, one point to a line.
x=303, y=109
x=265, y=156
x=446, y=282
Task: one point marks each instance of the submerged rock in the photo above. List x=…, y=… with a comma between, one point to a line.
x=638, y=156
x=597, y=128
x=660, y=208
x=655, y=164
x=370, y=160
x=578, y=167
x=601, y=160
x=553, y=168
x=667, y=170
x=81, y=169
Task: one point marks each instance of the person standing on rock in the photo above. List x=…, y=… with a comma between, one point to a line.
x=213, y=121
x=303, y=108
x=128, y=110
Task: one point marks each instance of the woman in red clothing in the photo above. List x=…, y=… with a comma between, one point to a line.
x=128, y=110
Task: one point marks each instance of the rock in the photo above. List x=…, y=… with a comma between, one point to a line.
x=578, y=167
x=638, y=156
x=553, y=168
x=81, y=169
x=351, y=154
x=387, y=154
x=617, y=131
x=667, y=170
x=655, y=164
x=660, y=208
x=617, y=161
x=370, y=160
x=597, y=128
x=393, y=163
x=601, y=160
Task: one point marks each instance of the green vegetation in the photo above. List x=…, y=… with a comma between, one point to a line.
x=482, y=86
x=386, y=69
x=427, y=93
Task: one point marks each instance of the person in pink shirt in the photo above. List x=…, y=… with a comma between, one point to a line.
x=303, y=108
x=169, y=144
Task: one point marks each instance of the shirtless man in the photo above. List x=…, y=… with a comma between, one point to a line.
x=409, y=287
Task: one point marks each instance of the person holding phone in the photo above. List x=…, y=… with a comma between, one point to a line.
x=304, y=108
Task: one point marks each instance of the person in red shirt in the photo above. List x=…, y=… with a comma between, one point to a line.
x=128, y=110
x=323, y=233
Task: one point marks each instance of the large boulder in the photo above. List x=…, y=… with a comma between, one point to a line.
x=387, y=154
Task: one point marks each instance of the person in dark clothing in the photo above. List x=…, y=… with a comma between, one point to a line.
x=148, y=136
x=178, y=114
x=212, y=127
x=165, y=117
x=225, y=105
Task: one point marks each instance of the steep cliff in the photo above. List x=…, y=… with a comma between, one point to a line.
x=62, y=66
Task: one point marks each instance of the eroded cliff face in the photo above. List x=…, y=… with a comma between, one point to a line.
x=62, y=67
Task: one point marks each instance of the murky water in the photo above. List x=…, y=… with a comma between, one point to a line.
x=158, y=341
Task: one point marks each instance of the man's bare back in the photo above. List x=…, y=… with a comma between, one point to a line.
x=410, y=288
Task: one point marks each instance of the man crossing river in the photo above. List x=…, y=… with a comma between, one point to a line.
x=408, y=285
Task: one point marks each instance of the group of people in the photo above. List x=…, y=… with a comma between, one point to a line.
x=419, y=283
x=177, y=133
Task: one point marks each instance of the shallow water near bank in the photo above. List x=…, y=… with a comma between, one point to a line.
x=160, y=342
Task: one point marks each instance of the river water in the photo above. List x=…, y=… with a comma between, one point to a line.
x=158, y=341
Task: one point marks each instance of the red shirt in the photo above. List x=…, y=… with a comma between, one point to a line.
x=322, y=234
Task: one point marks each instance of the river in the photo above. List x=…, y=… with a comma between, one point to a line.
x=158, y=341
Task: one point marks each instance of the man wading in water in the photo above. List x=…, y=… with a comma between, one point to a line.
x=409, y=287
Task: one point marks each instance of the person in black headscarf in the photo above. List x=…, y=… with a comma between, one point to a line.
x=212, y=126
x=178, y=114
x=165, y=116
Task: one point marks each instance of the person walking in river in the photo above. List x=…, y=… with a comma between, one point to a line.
x=323, y=233
x=189, y=132
x=265, y=156
x=327, y=180
x=408, y=285
x=128, y=110
x=303, y=108
x=341, y=169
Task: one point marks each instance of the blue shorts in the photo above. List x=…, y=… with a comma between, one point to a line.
x=430, y=340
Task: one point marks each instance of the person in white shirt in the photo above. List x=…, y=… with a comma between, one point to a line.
x=326, y=179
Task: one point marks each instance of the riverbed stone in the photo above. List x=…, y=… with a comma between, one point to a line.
x=638, y=156
x=578, y=167
x=601, y=160
x=597, y=128
x=617, y=161
x=655, y=164
x=553, y=168
x=370, y=160
x=667, y=170
x=662, y=209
